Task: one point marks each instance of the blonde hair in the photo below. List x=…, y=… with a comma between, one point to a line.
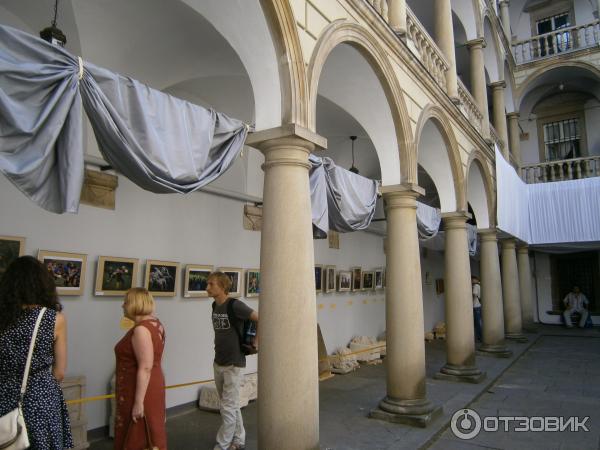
x=138, y=302
x=222, y=280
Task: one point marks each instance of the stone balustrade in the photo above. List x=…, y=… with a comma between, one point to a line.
x=556, y=42
x=566, y=169
x=381, y=6
x=469, y=107
x=496, y=138
x=427, y=51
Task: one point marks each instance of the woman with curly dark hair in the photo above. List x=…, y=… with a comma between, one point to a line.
x=25, y=288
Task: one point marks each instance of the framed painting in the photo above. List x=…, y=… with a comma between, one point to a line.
x=115, y=275
x=11, y=247
x=318, y=278
x=196, y=280
x=368, y=280
x=329, y=278
x=356, y=278
x=344, y=280
x=235, y=275
x=252, y=282
x=67, y=269
x=379, y=278
x=161, y=277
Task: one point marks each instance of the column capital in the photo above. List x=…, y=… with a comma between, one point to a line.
x=402, y=195
x=509, y=242
x=271, y=137
x=477, y=43
x=522, y=248
x=404, y=189
x=513, y=115
x=504, y=3
x=501, y=84
x=488, y=234
x=457, y=219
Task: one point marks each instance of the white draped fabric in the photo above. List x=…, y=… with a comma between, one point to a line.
x=547, y=213
x=513, y=200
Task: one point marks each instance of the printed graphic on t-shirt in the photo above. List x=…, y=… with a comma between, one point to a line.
x=221, y=321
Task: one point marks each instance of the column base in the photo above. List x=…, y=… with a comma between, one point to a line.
x=416, y=413
x=496, y=351
x=461, y=374
x=517, y=337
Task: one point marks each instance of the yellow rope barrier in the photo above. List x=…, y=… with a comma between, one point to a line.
x=192, y=383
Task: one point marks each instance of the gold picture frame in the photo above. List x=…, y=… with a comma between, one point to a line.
x=195, y=280
x=252, y=282
x=368, y=280
x=237, y=280
x=319, y=278
x=11, y=247
x=330, y=281
x=356, y=278
x=161, y=277
x=344, y=280
x=67, y=269
x=115, y=275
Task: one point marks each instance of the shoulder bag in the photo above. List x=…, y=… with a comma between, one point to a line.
x=13, y=432
x=149, y=445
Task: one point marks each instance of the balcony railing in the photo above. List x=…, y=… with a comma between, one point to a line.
x=496, y=138
x=566, y=169
x=557, y=42
x=381, y=6
x=469, y=107
x=428, y=52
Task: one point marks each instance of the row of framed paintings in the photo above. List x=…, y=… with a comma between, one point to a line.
x=115, y=275
x=355, y=279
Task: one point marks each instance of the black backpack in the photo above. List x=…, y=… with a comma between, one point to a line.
x=248, y=334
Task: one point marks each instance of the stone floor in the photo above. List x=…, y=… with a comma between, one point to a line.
x=555, y=373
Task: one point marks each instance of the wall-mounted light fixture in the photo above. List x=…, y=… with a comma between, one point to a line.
x=52, y=33
x=353, y=169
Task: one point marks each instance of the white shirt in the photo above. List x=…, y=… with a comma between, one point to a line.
x=476, y=295
x=576, y=301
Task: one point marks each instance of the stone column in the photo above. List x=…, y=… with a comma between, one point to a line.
x=525, y=286
x=288, y=411
x=397, y=16
x=491, y=297
x=505, y=16
x=460, y=339
x=500, y=114
x=405, y=401
x=444, y=38
x=510, y=290
x=478, y=85
x=514, y=136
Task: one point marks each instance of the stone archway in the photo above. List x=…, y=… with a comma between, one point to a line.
x=343, y=32
x=445, y=168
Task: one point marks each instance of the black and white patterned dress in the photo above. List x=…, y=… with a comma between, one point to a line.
x=44, y=407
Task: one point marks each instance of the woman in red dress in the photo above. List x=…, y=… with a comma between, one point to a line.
x=140, y=383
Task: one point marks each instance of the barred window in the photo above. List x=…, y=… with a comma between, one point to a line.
x=561, y=139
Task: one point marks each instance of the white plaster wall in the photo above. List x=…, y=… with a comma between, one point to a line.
x=194, y=229
x=529, y=147
x=343, y=315
x=543, y=285
x=434, y=305
x=592, y=118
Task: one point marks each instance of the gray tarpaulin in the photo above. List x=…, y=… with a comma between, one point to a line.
x=428, y=221
x=341, y=200
x=161, y=143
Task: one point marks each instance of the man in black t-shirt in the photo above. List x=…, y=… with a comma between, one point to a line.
x=229, y=359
